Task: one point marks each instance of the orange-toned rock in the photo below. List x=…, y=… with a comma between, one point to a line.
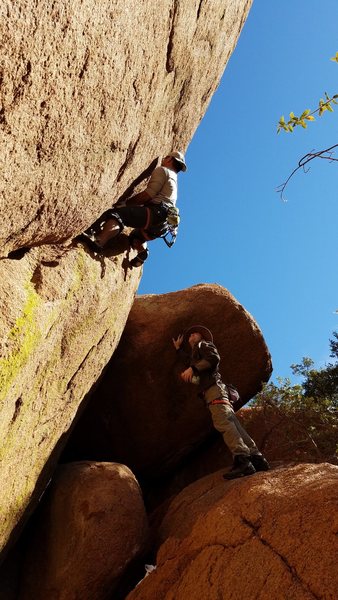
x=142, y=414
x=92, y=526
x=271, y=535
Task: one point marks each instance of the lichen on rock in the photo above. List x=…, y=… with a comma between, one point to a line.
x=60, y=323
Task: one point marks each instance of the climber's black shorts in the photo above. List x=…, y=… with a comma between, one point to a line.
x=141, y=217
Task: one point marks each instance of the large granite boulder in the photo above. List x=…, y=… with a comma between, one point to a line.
x=92, y=93
x=272, y=535
x=142, y=414
x=94, y=523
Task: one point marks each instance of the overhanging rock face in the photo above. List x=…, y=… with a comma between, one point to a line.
x=92, y=93
x=142, y=413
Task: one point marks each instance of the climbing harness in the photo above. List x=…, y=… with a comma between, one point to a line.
x=161, y=222
x=172, y=232
x=172, y=222
x=173, y=217
x=166, y=228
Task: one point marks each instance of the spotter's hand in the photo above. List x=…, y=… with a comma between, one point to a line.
x=187, y=375
x=178, y=342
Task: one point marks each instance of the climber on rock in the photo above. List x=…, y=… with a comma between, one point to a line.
x=204, y=361
x=152, y=213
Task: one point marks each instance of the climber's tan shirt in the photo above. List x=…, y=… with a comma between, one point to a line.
x=162, y=186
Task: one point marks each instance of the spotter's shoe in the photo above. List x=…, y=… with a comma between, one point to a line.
x=242, y=466
x=259, y=462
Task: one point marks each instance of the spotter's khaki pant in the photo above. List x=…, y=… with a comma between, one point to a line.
x=226, y=422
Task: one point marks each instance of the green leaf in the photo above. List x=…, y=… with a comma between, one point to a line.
x=292, y=115
x=329, y=107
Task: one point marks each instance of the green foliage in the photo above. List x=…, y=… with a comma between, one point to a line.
x=312, y=405
x=307, y=115
x=294, y=121
x=304, y=367
x=334, y=345
x=321, y=383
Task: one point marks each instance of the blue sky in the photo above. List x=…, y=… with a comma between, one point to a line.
x=277, y=258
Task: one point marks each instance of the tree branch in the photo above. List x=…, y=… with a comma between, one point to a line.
x=324, y=154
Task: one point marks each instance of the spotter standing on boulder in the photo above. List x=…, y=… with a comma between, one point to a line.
x=152, y=213
x=203, y=371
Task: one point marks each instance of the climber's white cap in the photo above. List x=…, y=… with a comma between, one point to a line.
x=179, y=156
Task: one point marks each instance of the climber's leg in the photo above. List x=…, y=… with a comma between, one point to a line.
x=131, y=216
x=111, y=229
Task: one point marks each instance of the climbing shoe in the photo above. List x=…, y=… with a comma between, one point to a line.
x=90, y=242
x=259, y=462
x=242, y=466
x=136, y=262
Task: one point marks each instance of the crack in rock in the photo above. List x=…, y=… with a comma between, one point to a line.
x=85, y=64
x=128, y=159
x=172, y=18
x=199, y=9
x=79, y=368
x=290, y=568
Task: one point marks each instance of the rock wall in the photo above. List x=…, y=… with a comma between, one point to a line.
x=61, y=320
x=92, y=93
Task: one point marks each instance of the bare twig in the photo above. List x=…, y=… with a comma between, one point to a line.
x=324, y=154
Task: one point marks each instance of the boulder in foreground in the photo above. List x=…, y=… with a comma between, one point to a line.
x=271, y=535
x=92, y=526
